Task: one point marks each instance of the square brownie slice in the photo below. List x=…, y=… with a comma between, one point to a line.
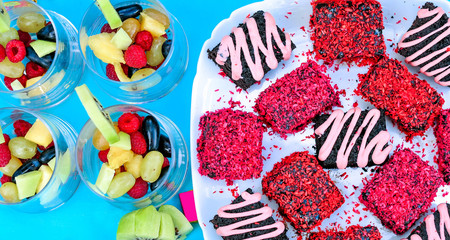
x=434, y=226
x=401, y=191
x=288, y=105
x=442, y=133
x=353, y=232
x=230, y=145
x=347, y=30
x=303, y=190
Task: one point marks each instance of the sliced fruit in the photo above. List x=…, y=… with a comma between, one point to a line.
x=167, y=229
x=46, y=175
x=104, y=178
x=155, y=56
x=148, y=222
x=22, y=148
x=142, y=73
x=51, y=164
x=126, y=229
x=120, y=74
x=111, y=15
x=16, y=85
x=10, y=69
x=2, y=138
x=9, y=192
x=27, y=184
x=39, y=134
x=42, y=47
x=121, y=40
x=134, y=166
x=65, y=166
x=182, y=226
x=104, y=49
x=5, y=21
x=118, y=156
x=121, y=184
x=99, y=141
x=151, y=25
x=158, y=16
x=151, y=166
x=100, y=118
x=8, y=35
x=31, y=22
x=32, y=81
x=29, y=166
x=124, y=141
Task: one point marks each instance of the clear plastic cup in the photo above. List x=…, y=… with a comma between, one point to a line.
x=89, y=164
x=155, y=86
x=66, y=70
x=65, y=179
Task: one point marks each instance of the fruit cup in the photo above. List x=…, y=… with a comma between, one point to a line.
x=169, y=181
x=51, y=172
x=126, y=86
x=62, y=66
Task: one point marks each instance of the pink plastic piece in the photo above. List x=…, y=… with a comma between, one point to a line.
x=188, y=204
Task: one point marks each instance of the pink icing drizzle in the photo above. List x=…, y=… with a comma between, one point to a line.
x=438, y=73
x=379, y=155
x=228, y=49
x=260, y=214
x=444, y=224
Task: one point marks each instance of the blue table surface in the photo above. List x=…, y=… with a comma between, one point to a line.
x=86, y=216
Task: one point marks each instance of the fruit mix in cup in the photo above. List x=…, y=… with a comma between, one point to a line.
x=133, y=43
x=134, y=150
x=26, y=53
x=27, y=161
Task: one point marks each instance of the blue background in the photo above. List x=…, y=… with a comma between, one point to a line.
x=86, y=216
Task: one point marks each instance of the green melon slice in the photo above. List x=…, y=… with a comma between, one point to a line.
x=5, y=21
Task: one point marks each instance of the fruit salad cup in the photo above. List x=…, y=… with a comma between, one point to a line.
x=140, y=54
x=40, y=61
x=147, y=166
x=36, y=157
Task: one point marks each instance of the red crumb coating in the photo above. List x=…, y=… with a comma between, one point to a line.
x=442, y=132
x=289, y=104
x=353, y=232
x=347, y=30
x=401, y=191
x=303, y=190
x=230, y=145
x=408, y=100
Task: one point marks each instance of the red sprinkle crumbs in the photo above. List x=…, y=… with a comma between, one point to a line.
x=303, y=190
x=353, y=232
x=230, y=145
x=401, y=191
x=347, y=30
x=294, y=100
x=442, y=132
x=411, y=102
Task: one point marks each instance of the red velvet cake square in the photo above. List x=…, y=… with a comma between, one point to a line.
x=442, y=133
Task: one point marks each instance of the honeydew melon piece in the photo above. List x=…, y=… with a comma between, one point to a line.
x=121, y=40
x=43, y=48
x=16, y=85
x=124, y=141
x=39, y=134
x=27, y=184
x=104, y=178
x=51, y=164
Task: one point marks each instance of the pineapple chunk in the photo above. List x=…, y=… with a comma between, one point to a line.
x=120, y=74
x=151, y=25
x=32, y=81
x=104, y=49
x=39, y=134
x=118, y=156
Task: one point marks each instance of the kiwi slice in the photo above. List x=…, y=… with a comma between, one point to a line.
x=148, y=222
x=111, y=15
x=100, y=118
x=126, y=229
x=182, y=226
x=5, y=21
x=167, y=229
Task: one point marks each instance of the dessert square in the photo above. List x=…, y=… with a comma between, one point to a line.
x=347, y=30
x=353, y=232
x=434, y=226
x=303, y=190
x=230, y=145
x=411, y=102
x=356, y=138
x=247, y=54
x=248, y=218
x=288, y=105
x=442, y=133
x=401, y=191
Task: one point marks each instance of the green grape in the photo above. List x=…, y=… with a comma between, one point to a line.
x=121, y=184
x=31, y=22
x=5, y=37
x=151, y=166
x=22, y=148
x=9, y=192
x=155, y=56
x=10, y=69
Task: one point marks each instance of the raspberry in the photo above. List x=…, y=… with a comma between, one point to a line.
x=42, y=148
x=5, y=179
x=5, y=155
x=107, y=29
x=111, y=72
x=2, y=53
x=139, y=189
x=138, y=143
x=140, y=118
x=7, y=138
x=34, y=70
x=103, y=155
x=21, y=127
x=15, y=50
x=144, y=39
x=135, y=56
x=129, y=123
x=9, y=80
x=166, y=163
x=25, y=38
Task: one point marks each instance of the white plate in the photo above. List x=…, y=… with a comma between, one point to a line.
x=212, y=91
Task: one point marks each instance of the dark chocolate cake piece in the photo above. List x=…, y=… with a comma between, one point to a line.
x=353, y=233
x=235, y=54
x=426, y=43
x=442, y=133
x=229, y=222
x=435, y=226
x=352, y=139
